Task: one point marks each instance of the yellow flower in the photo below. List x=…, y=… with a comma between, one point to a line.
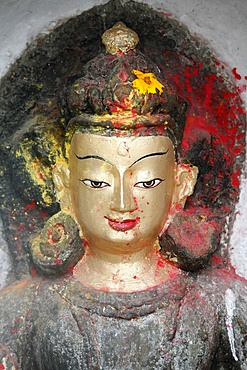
x=146, y=83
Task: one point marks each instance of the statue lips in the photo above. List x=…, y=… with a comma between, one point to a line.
x=123, y=225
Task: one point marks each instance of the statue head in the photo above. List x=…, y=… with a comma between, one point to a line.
x=123, y=181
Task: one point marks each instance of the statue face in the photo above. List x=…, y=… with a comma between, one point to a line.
x=121, y=189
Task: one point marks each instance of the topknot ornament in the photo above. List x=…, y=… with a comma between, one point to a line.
x=120, y=38
x=122, y=89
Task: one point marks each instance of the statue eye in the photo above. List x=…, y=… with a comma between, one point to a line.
x=95, y=184
x=148, y=184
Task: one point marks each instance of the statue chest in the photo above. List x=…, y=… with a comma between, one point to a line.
x=144, y=330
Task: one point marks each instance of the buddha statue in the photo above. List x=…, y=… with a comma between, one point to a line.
x=106, y=296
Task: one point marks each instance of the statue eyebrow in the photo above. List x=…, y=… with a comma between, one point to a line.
x=149, y=155
x=104, y=160
x=92, y=156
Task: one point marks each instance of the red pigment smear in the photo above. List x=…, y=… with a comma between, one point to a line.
x=161, y=262
x=236, y=179
x=2, y=367
x=44, y=213
x=172, y=275
x=196, y=237
x=236, y=75
x=216, y=260
x=33, y=273
x=228, y=275
x=167, y=14
x=58, y=261
x=123, y=75
x=31, y=205
x=213, y=107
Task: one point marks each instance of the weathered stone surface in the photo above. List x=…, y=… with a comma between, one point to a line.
x=194, y=322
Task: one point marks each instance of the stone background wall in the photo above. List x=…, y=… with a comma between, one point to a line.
x=220, y=23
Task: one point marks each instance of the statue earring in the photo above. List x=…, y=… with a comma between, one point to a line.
x=190, y=240
x=59, y=246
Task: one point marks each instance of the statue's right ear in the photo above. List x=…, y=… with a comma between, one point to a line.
x=61, y=177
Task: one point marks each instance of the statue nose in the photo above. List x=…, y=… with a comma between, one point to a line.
x=122, y=200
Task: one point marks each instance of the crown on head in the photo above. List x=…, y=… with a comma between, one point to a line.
x=122, y=89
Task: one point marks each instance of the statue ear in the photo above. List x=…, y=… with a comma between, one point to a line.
x=186, y=177
x=61, y=176
x=185, y=180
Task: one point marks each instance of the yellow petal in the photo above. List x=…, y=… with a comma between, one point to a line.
x=146, y=83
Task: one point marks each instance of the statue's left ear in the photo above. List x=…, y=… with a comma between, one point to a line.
x=186, y=177
x=185, y=180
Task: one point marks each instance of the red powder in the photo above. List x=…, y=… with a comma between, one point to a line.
x=31, y=205
x=167, y=14
x=235, y=179
x=58, y=261
x=213, y=108
x=33, y=273
x=216, y=260
x=22, y=227
x=123, y=75
x=172, y=275
x=236, y=75
x=161, y=262
x=44, y=213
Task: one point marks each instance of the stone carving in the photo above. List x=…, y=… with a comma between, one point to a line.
x=110, y=293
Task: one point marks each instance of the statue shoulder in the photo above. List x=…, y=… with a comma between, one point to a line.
x=15, y=321
x=212, y=321
x=24, y=306
x=227, y=293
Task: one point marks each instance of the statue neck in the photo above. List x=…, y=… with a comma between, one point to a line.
x=123, y=273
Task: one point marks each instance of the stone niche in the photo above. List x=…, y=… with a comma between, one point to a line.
x=196, y=318
x=32, y=104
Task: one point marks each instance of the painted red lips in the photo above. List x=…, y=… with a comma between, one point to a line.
x=123, y=225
